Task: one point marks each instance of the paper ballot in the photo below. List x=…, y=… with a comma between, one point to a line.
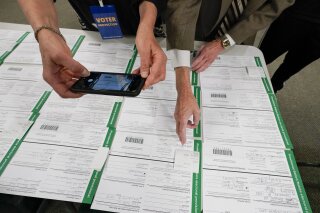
x=247, y=128
x=28, y=51
x=187, y=160
x=148, y=116
x=245, y=159
x=22, y=72
x=73, y=122
x=231, y=191
x=148, y=146
x=47, y=171
x=138, y=185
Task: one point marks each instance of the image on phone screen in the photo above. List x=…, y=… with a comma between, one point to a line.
x=110, y=84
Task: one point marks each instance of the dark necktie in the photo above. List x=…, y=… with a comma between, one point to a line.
x=208, y=17
x=231, y=17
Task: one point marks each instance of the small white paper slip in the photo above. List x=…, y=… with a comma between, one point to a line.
x=255, y=72
x=186, y=160
x=100, y=158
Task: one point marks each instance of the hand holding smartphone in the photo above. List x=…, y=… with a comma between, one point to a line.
x=106, y=83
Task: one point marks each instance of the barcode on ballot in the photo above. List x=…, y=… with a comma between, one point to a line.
x=134, y=140
x=49, y=127
x=15, y=69
x=94, y=44
x=217, y=151
x=218, y=95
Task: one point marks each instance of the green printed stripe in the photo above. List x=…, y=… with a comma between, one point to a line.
x=258, y=61
x=109, y=137
x=114, y=114
x=41, y=102
x=4, y=56
x=129, y=67
x=7, y=158
x=194, y=78
x=267, y=85
x=281, y=126
x=304, y=202
x=197, y=131
x=92, y=187
x=135, y=52
x=197, y=94
x=196, y=183
x=77, y=45
x=12, y=151
x=132, y=60
x=18, y=42
x=34, y=116
x=23, y=37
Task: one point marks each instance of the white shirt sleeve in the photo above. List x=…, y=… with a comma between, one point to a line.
x=232, y=42
x=181, y=58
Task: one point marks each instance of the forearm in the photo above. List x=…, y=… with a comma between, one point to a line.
x=148, y=15
x=183, y=85
x=39, y=13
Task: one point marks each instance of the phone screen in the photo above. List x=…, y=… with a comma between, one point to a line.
x=110, y=82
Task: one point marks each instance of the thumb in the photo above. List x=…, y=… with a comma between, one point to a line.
x=74, y=66
x=145, y=65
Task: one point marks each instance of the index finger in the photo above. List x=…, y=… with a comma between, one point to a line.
x=181, y=130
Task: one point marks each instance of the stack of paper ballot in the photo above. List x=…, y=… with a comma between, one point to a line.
x=123, y=154
x=248, y=163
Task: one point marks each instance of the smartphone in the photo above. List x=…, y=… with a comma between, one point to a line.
x=107, y=83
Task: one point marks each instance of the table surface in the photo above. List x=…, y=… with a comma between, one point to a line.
x=236, y=50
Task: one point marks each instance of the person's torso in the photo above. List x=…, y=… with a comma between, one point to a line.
x=307, y=10
x=216, y=17
x=127, y=13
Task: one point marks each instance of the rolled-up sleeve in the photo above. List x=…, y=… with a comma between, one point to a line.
x=181, y=58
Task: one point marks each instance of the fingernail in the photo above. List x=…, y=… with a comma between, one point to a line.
x=85, y=73
x=144, y=74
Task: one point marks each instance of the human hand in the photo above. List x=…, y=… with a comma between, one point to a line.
x=186, y=105
x=153, y=59
x=60, y=70
x=206, y=55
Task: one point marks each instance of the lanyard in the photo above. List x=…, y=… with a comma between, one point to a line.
x=101, y=3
